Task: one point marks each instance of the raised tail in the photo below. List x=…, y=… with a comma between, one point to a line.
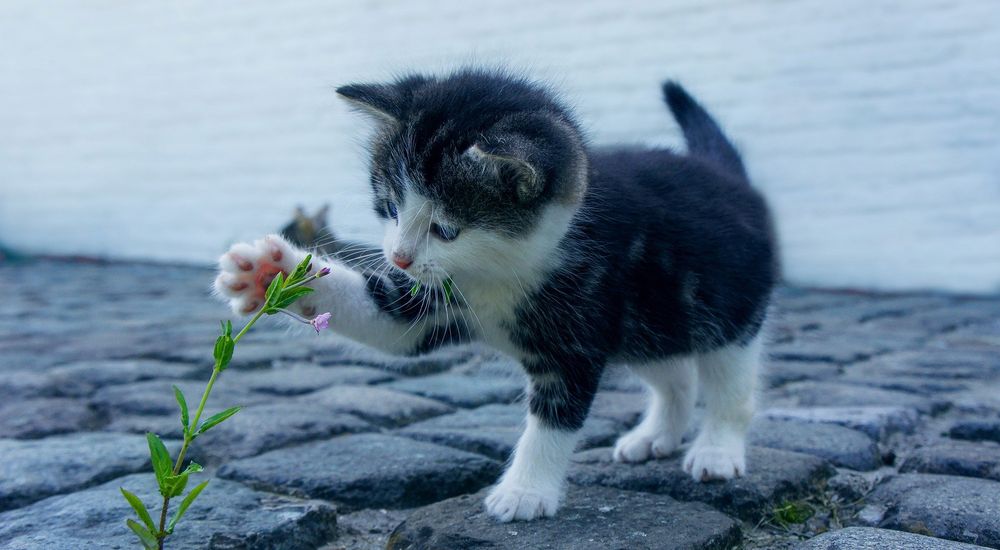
x=704, y=137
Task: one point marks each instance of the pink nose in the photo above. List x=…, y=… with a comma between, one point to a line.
x=401, y=260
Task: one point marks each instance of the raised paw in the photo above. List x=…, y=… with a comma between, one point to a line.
x=246, y=270
x=510, y=502
x=640, y=445
x=707, y=462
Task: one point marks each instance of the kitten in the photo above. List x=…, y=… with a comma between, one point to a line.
x=502, y=225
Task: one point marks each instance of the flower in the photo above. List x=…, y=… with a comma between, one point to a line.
x=321, y=321
x=323, y=272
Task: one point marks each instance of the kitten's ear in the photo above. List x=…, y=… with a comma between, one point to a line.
x=511, y=164
x=320, y=217
x=381, y=100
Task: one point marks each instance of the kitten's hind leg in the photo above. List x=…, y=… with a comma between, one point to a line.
x=729, y=388
x=672, y=395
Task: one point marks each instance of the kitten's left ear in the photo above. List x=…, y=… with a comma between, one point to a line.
x=510, y=161
x=381, y=100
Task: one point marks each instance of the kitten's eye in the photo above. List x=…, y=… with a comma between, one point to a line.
x=391, y=208
x=444, y=233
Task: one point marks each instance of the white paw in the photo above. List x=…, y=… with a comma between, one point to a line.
x=706, y=462
x=640, y=445
x=508, y=503
x=247, y=269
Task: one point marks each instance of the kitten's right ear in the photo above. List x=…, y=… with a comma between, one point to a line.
x=381, y=100
x=511, y=163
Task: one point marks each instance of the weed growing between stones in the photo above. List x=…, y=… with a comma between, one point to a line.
x=170, y=478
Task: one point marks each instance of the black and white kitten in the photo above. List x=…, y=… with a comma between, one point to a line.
x=563, y=257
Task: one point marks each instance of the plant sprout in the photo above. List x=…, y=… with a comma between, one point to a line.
x=170, y=477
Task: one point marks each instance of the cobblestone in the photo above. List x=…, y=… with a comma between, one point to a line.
x=367, y=471
x=957, y=508
x=878, y=410
x=592, y=518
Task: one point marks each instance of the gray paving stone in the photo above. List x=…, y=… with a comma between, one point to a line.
x=940, y=320
x=835, y=348
x=830, y=394
x=366, y=529
x=964, y=509
x=591, y=518
x=302, y=378
x=156, y=397
x=26, y=384
x=976, y=430
x=345, y=353
x=960, y=458
x=841, y=446
x=934, y=363
x=849, y=486
x=36, y=469
x=778, y=373
x=461, y=390
x=870, y=538
x=226, y=515
x=42, y=416
x=774, y=477
x=81, y=379
x=375, y=404
x=492, y=430
x=623, y=407
x=366, y=471
x=264, y=427
x=876, y=421
x=251, y=353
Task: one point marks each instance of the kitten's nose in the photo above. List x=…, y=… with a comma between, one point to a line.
x=401, y=260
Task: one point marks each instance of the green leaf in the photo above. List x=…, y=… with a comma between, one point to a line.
x=139, y=507
x=216, y=419
x=289, y=296
x=447, y=289
x=224, y=346
x=185, y=504
x=148, y=539
x=185, y=419
x=175, y=484
x=300, y=271
x=228, y=330
x=158, y=454
x=415, y=289
x=274, y=289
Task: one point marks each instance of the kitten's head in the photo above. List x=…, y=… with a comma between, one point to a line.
x=471, y=171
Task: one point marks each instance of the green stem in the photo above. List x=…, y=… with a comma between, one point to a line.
x=304, y=282
x=188, y=437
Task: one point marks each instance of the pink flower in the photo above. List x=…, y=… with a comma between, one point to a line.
x=321, y=321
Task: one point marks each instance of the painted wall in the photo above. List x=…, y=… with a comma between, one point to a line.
x=164, y=130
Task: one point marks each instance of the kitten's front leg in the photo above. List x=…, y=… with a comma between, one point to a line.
x=533, y=483
x=370, y=309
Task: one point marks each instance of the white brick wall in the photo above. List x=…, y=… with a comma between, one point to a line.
x=166, y=129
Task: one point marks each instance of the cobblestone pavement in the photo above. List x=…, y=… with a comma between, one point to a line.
x=880, y=429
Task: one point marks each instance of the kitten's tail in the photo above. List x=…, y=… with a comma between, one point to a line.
x=704, y=137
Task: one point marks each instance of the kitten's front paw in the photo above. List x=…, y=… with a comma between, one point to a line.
x=247, y=269
x=640, y=445
x=509, y=502
x=707, y=462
